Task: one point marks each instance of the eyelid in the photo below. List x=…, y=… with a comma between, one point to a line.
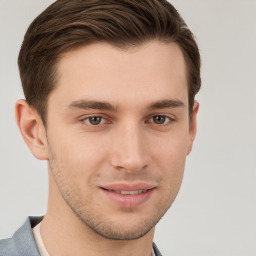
x=171, y=119
x=106, y=119
x=83, y=119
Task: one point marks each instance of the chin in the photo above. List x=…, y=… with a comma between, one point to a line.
x=129, y=226
x=119, y=232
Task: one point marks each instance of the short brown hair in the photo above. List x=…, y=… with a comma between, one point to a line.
x=67, y=24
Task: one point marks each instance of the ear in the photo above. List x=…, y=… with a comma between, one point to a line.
x=192, y=127
x=32, y=129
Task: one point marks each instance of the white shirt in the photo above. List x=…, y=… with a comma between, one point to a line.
x=39, y=242
x=40, y=245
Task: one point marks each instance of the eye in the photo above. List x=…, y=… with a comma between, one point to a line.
x=160, y=119
x=94, y=120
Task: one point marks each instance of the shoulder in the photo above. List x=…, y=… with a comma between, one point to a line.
x=7, y=247
x=22, y=242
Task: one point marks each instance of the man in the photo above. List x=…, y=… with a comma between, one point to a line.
x=109, y=88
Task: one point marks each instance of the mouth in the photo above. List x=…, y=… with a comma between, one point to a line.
x=128, y=196
x=132, y=192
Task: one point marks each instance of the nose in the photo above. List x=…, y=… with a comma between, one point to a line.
x=129, y=149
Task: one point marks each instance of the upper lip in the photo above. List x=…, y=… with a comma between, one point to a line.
x=128, y=187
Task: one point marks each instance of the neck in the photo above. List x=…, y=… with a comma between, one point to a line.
x=63, y=233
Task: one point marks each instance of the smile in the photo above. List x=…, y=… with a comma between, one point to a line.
x=127, y=196
x=122, y=192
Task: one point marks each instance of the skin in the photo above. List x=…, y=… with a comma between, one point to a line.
x=144, y=135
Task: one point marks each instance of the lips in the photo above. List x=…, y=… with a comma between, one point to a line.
x=128, y=195
x=135, y=192
x=128, y=187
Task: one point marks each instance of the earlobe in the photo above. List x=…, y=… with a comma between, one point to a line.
x=193, y=126
x=32, y=129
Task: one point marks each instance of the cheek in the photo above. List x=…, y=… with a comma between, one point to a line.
x=170, y=155
x=170, y=150
x=77, y=155
x=172, y=164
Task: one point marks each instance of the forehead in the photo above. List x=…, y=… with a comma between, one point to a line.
x=100, y=71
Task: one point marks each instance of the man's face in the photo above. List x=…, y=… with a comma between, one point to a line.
x=118, y=134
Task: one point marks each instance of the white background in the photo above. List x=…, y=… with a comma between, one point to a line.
x=215, y=212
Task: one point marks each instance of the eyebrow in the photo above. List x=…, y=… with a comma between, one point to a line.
x=101, y=105
x=173, y=103
x=91, y=104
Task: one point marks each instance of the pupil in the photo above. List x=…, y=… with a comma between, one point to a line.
x=95, y=120
x=159, y=119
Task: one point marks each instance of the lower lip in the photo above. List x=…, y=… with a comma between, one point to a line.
x=128, y=201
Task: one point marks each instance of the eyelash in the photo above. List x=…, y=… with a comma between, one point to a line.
x=91, y=117
x=167, y=120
